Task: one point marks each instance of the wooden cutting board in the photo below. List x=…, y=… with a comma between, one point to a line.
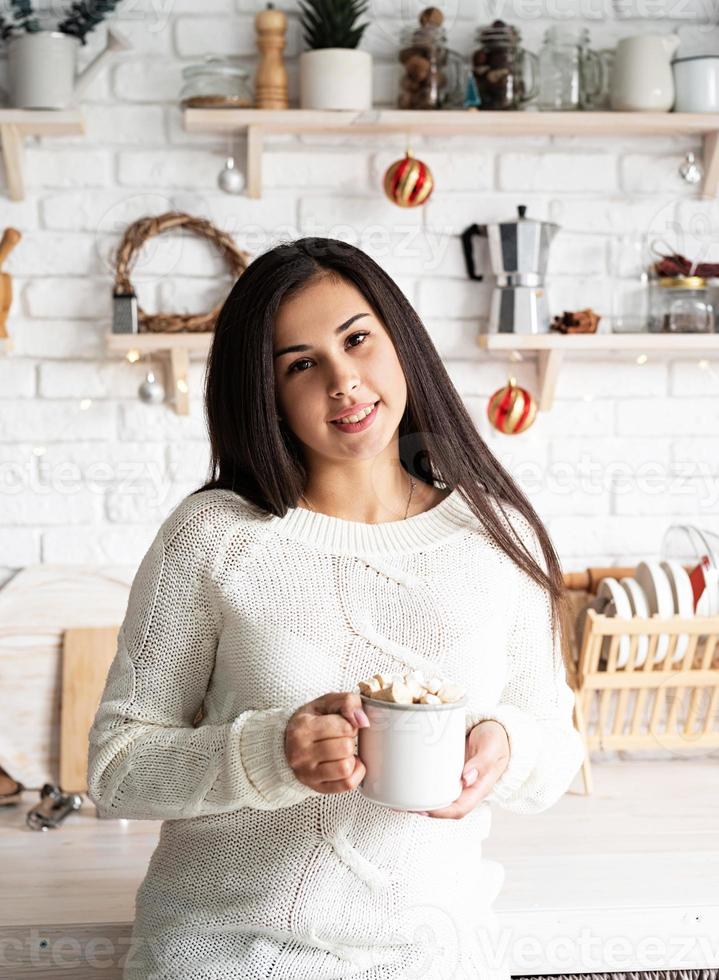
x=86, y=658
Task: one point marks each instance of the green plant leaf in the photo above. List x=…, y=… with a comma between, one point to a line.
x=332, y=23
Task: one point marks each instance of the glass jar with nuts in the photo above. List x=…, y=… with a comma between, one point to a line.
x=433, y=74
x=507, y=76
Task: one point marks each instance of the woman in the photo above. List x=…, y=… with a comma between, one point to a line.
x=318, y=554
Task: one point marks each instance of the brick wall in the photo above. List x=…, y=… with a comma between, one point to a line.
x=89, y=472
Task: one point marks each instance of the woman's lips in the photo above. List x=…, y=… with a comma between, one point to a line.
x=364, y=423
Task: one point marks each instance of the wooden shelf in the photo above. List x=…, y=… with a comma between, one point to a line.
x=173, y=350
x=581, y=343
x=151, y=343
x=550, y=349
x=256, y=122
x=16, y=124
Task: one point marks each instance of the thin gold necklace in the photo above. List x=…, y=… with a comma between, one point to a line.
x=409, y=499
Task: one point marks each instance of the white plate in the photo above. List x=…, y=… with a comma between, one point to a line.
x=683, y=600
x=656, y=588
x=640, y=607
x=618, y=605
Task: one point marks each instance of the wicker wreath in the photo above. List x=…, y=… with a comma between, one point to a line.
x=132, y=241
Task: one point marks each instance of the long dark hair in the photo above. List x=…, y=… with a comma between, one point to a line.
x=257, y=455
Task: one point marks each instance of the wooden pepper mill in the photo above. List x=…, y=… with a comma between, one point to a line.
x=10, y=238
x=271, y=74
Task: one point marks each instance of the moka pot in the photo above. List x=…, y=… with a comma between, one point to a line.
x=518, y=255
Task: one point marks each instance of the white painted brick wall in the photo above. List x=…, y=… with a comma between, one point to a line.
x=88, y=472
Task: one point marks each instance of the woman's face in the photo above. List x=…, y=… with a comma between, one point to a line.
x=347, y=358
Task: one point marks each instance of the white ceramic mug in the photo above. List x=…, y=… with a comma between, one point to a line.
x=697, y=83
x=413, y=753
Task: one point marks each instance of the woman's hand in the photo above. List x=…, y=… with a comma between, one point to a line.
x=486, y=751
x=319, y=742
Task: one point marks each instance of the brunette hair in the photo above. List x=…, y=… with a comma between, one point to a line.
x=255, y=454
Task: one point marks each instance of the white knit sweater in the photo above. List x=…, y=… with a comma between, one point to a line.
x=247, y=616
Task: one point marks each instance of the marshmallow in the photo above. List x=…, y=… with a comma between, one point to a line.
x=411, y=688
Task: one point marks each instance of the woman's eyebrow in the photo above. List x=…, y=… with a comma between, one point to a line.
x=303, y=347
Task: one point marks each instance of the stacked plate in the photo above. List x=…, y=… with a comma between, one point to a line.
x=657, y=588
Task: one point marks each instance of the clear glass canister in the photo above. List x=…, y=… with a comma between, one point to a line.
x=216, y=82
x=506, y=75
x=570, y=73
x=432, y=74
x=681, y=304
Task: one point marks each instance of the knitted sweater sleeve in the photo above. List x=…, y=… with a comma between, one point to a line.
x=535, y=707
x=146, y=760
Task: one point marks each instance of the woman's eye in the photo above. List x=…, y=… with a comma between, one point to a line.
x=296, y=366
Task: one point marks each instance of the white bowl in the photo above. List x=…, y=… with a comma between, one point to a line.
x=413, y=753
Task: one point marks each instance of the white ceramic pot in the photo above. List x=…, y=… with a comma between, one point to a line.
x=696, y=81
x=642, y=79
x=413, y=753
x=336, y=78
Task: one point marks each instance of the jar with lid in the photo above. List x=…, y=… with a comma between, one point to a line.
x=681, y=304
x=216, y=82
x=433, y=74
x=570, y=73
x=506, y=75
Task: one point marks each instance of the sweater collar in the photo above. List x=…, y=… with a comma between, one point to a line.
x=338, y=536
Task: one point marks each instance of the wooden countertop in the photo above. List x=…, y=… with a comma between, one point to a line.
x=625, y=879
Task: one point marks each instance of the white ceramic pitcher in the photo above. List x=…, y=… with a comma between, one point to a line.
x=642, y=79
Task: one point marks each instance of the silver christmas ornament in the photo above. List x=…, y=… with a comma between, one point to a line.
x=690, y=170
x=151, y=390
x=230, y=179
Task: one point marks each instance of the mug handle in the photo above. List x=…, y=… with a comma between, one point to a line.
x=597, y=72
x=529, y=58
x=456, y=79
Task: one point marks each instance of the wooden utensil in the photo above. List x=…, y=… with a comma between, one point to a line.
x=10, y=238
x=86, y=658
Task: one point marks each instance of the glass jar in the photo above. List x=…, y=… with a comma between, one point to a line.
x=681, y=304
x=433, y=74
x=570, y=73
x=216, y=82
x=506, y=75
x=630, y=284
x=713, y=290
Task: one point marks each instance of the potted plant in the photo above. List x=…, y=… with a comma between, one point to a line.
x=333, y=73
x=42, y=64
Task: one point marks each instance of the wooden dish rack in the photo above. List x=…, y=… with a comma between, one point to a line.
x=654, y=705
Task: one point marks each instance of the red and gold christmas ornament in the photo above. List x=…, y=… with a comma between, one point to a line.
x=511, y=409
x=408, y=182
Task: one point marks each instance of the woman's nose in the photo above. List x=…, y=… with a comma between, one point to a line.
x=342, y=382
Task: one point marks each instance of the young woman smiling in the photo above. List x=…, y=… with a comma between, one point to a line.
x=319, y=552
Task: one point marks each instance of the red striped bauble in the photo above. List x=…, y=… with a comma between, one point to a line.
x=408, y=182
x=511, y=409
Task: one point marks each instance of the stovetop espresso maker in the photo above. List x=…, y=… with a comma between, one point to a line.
x=518, y=254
